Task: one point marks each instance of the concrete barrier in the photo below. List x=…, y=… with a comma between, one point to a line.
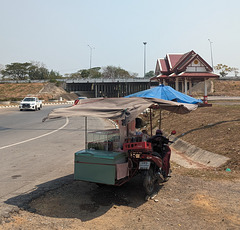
x=199, y=155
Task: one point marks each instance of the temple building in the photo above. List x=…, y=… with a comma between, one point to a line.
x=182, y=71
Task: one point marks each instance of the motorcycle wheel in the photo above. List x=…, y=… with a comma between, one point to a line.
x=166, y=179
x=149, y=182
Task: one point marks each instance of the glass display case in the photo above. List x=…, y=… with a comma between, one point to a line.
x=108, y=140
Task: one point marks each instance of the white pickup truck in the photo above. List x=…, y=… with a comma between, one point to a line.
x=30, y=103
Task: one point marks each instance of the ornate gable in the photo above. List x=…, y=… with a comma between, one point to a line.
x=188, y=65
x=185, y=57
x=194, y=64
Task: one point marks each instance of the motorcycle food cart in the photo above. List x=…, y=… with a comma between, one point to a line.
x=108, y=158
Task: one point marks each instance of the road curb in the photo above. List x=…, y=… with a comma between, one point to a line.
x=44, y=104
x=199, y=155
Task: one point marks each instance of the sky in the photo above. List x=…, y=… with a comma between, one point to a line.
x=59, y=33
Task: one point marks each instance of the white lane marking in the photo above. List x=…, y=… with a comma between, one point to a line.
x=34, y=138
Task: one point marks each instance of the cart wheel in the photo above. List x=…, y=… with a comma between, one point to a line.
x=149, y=182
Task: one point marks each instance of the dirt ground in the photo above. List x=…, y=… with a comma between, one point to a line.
x=227, y=88
x=184, y=202
x=18, y=91
x=45, y=91
x=215, y=129
x=191, y=199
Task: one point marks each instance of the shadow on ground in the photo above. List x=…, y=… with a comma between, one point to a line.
x=23, y=200
x=66, y=198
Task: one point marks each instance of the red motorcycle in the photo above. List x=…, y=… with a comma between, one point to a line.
x=154, y=166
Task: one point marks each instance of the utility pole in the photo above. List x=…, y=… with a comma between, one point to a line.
x=144, y=43
x=211, y=53
x=91, y=48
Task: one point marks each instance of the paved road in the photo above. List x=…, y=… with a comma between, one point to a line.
x=34, y=153
x=217, y=98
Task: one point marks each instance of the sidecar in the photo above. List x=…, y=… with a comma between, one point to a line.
x=102, y=161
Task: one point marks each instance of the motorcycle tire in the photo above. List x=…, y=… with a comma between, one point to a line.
x=166, y=179
x=149, y=182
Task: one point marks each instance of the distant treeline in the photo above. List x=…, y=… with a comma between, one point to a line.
x=36, y=71
x=28, y=71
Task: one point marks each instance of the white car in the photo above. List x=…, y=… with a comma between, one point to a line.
x=30, y=103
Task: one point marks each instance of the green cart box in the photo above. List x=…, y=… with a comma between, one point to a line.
x=97, y=165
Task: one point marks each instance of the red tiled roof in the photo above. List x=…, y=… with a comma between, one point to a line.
x=196, y=74
x=183, y=59
x=188, y=74
x=173, y=75
x=173, y=59
x=163, y=65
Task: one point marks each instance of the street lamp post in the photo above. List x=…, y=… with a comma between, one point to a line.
x=90, y=55
x=144, y=43
x=210, y=42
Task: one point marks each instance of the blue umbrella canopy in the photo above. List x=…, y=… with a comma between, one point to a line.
x=166, y=93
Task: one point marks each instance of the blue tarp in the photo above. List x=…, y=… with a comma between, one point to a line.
x=166, y=93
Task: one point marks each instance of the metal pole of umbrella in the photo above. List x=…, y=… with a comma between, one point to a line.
x=160, y=119
x=86, y=140
x=151, y=120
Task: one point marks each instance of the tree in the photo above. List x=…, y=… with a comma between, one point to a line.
x=53, y=75
x=29, y=71
x=236, y=72
x=113, y=72
x=85, y=73
x=43, y=73
x=16, y=71
x=149, y=74
x=110, y=72
x=74, y=75
x=223, y=69
x=1, y=68
x=38, y=71
x=95, y=72
x=133, y=75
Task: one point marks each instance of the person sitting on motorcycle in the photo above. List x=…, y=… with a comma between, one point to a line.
x=158, y=142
